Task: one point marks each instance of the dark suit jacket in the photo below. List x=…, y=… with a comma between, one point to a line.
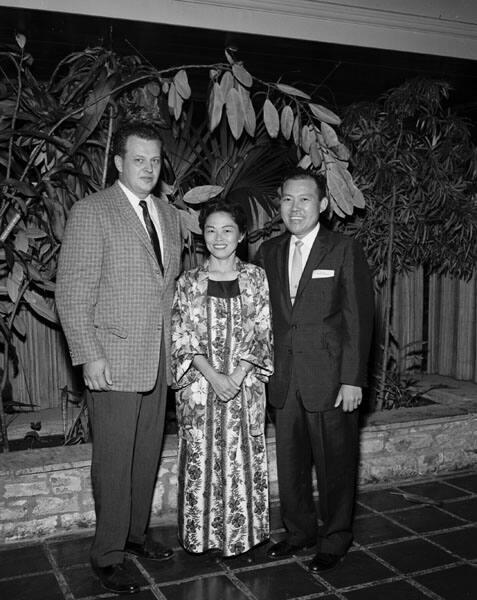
x=324, y=337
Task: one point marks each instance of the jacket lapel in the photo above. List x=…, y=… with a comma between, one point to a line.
x=129, y=215
x=166, y=229
x=283, y=249
x=321, y=246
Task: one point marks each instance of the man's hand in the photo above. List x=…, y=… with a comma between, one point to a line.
x=349, y=396
x=97, y=375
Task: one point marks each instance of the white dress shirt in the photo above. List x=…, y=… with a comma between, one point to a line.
x=134, y=200
x=308, y=241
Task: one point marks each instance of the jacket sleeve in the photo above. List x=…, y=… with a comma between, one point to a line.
x=77, y=282
x=358, y=311
x=189, y=334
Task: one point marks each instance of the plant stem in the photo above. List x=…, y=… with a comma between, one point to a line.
x=387, y=310
x=3, y=383
x=6, y=334
x=15, y=114
x=11, y=225
x=106, y=150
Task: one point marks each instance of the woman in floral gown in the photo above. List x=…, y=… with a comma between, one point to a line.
x=221, y=359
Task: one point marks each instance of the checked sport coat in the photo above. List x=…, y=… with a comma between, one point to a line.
x=112, y=298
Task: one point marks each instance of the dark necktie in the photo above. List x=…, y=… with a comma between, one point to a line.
x=151, y=230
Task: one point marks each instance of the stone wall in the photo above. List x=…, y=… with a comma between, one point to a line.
x=405, y=450
x=48, y=491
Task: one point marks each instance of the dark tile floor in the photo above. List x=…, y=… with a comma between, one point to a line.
x=403, y=550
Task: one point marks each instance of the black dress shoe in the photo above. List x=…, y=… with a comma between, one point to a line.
x=115, y=578
x=324, y=562
x=284, y=550
x=150, y=550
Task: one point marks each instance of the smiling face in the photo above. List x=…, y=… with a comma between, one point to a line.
x=301, y=204
x=221, y=235
x=140, y=167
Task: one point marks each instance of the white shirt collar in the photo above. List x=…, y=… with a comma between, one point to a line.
x=133, y=199
x=308, y=240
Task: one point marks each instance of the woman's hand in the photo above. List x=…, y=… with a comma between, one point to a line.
x=224, y=386
x=240, y=372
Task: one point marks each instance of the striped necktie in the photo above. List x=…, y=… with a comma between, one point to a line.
x=151, y=230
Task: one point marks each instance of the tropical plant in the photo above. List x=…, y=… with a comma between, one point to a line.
x=55, y=139
x=245, y=171
x=414, y=160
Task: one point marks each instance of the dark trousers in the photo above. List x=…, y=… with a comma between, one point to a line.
x=329, y=439
x=127, y=432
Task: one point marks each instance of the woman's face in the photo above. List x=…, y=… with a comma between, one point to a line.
x=221, y=235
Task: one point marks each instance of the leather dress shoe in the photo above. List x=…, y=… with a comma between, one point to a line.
x=324, y=562
x=150, y=550
x=116, y=578
x=284, y=549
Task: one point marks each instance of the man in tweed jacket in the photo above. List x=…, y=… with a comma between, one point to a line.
x=114, y=297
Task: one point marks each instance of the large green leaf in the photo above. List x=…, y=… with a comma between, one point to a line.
x=293, y=91
x=286, y=121
x=182, y=84
x=242, y=75
x=226, y=83
x=202, y=193
x=189, y=222
x=94, y=107
x=329, y=135
x=271, y=118
x=235, y=113
x=22, y=186
x=41, y=306
x=250, y=119
x=215, y=106
x=324, y=114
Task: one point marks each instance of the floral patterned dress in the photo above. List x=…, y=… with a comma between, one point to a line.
x=223, y=483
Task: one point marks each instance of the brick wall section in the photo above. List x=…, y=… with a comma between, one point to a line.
x=48, y=491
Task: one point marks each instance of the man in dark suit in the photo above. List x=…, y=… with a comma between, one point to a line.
x=116, y=277
x=322, y=312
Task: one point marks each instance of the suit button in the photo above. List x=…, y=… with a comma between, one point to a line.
x=293, y=327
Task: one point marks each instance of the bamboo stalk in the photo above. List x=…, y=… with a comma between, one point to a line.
x=387, y=309
x=3, y=422
x=108, y=145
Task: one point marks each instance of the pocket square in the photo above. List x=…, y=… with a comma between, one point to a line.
x=322, y=273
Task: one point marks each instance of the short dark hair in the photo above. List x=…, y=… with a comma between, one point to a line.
x=141, y=129
x=235, y=210
x=299, y=173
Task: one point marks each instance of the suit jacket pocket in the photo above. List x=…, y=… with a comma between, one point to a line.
x=332, y=344
x=114, y=330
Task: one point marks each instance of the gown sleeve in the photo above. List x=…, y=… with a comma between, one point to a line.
x=257, y=344
x=189, y=333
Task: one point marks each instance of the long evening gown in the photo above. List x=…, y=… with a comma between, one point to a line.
x=223, y=482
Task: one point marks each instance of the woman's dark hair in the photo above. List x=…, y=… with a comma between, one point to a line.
x=222, y=205
x=141, y=129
